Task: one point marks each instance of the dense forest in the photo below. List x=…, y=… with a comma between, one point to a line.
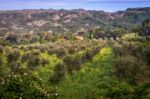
x=95, y=55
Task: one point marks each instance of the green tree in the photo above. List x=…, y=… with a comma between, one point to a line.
x=145, y=30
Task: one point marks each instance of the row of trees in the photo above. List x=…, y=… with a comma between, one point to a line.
x=102, y=33
x=73, y=63
x=131, y=61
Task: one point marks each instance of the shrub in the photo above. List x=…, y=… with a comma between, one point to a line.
x=33, y=59
x=44, y=62
x=89, y=54
x=14, y=65
x=34, y=62
x=59, y=73
x=16, y=86
x=72, y=62
x=42, y=49
x=118, y=50
x=1, y=49
x=13, y=56
x=142, y=91
x=12, y=38
x=136, y=50
x=71, y=50
x=121, y=91
x=51, y=51
x=146, y=55
x=128, y=68
x=1, y=67
x=25, y=57
x=62, y=52
x=1, y=62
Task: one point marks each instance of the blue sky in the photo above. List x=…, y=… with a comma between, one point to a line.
x=106, y=5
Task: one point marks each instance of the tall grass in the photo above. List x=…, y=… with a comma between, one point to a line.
x=85, y=81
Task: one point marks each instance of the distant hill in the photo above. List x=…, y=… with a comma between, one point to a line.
x=59, y=21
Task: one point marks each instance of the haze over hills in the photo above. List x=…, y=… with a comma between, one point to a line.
x=60, y=21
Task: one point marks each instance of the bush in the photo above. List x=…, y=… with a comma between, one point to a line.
x=59, y=73
x=128, y=68
x=72, y=50
x=1, y=67
x=89, y=54
x=34, y=62
x=121, y=91
x=72, y=62
x=1, y=62
x=61, y=52
x=136, y=50
x=25, y=57
x=143, y=91
x=34, y=59
x=13, y=56
x=51, y=51
x=118, y=50
x=20, y=86
x=146, y=55
x=14, y=65
x=44, y=62
x=1, y=49
x=42, y=49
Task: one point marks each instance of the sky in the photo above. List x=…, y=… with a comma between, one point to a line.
x=106, y=5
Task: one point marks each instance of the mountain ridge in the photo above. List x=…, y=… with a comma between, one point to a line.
x=61, y=20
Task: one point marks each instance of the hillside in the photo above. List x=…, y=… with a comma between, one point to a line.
x=59, y=21
x=109, y=61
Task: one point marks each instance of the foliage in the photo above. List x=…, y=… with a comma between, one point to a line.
x=20, y=85
x=129, y=68
x=59, y=73
x=146, y=23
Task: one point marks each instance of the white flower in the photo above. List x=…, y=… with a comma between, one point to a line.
x=9, y=75
x=20, y=97
x=47, y=94
x=56, y=94
x=25, y=73
x=3, y=83
x=56, y=88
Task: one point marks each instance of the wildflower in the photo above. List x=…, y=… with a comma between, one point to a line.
x=47, y=94
x=15, y=76
x=25, y=73
x=56, y=94
x=20, y=97
x=3, y=83
x=56, y=88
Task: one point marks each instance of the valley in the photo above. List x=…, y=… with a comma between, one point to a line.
x=75, y=54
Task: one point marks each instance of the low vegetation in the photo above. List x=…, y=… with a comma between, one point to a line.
x=100, y=64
